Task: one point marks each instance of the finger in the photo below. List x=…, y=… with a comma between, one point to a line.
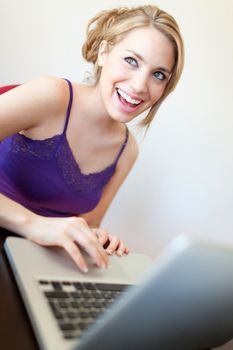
x=102, y=235
x=113, y=245
x=121, y=249
x=83, y=235
x=73, y=250
x=126, y=250
x=97, y=252
x=89, y=242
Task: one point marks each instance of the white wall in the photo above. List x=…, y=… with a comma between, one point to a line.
x=182, y=181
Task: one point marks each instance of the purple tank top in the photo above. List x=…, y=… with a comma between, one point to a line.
x=44, y=177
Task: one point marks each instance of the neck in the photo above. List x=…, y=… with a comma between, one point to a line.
x=91, y=124
x=92, y=108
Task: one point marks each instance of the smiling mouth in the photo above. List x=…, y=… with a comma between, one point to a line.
x=125, y=98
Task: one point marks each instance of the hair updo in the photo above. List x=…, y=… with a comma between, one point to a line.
x=112, y=25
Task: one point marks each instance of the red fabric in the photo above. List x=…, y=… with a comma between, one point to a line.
x=7, y=88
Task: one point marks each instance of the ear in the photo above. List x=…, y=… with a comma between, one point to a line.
x=103, y=51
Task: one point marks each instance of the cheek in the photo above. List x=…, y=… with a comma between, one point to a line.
x=158, y=92
x=118, y=74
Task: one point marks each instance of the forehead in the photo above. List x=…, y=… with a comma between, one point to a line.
x=150, y=43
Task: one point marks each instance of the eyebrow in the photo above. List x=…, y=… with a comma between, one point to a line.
x=143, y=60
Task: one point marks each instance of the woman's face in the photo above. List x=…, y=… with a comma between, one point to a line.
x=134, y=72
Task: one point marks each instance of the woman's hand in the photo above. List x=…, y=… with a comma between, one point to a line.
x=110, y=243
x=73, y=234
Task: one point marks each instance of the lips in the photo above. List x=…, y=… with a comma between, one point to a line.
x=128, y=103
x=130, y=99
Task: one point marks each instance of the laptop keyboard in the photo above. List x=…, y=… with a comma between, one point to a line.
x=77, y=305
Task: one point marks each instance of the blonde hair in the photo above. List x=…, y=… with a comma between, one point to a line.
x=112, y=25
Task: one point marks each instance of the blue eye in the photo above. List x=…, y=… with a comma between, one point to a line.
x=131, y=61
x=159, y=75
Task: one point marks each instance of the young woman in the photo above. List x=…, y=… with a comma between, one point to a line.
x=65, y=147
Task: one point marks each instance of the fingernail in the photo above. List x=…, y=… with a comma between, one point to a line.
x=85, y=269
x=109, y=251
x=119, y=253
x=104, y=266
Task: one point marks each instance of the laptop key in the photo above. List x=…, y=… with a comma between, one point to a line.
x=111, y=287
x=75, y=304
x=97, y=304
x=82, y=325
x=69, y=336
x=86, y=295
x=89, y=286
x=84, y=315
x=78, y=285
x=96, y=295
x=55, y=294
x=43, y=282
x=66, y=283
x=86, y=304
x=76, y=295
x=67, y=326
x=57, y=285
x=63, y=304
x=71, y=315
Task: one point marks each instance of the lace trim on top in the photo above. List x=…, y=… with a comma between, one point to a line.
x=57, y=147
x=42, y=149
x=71, y=172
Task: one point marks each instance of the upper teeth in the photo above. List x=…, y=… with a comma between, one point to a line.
x=128, y=98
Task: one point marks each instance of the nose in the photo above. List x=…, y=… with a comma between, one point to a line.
x=139, y=82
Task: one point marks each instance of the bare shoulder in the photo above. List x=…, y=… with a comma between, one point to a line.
x=31, y=104
x=41, y=95
x=52, y=92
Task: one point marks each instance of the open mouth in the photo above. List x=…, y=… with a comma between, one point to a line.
x=128, y=100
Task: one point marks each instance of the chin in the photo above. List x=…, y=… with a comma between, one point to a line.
x=122, y=118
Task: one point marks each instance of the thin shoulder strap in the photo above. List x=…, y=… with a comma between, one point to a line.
x=69, y=105
x=124, y=144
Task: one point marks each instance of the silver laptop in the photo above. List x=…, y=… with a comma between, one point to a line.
x=181, y=301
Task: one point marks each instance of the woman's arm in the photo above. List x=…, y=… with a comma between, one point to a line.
x=95, y=217
x=39, y=107
x=32, y=105
x=72, y=234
